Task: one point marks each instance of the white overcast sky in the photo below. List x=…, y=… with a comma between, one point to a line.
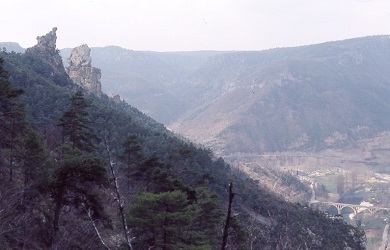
x=182, y=25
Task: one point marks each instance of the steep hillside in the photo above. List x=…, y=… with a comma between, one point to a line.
x=58, y=190
x=305, y=98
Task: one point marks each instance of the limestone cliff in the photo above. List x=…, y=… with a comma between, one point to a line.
x=80, y=70
x=46, y=49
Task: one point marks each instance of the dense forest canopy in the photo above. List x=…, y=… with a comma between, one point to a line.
x=85, y=172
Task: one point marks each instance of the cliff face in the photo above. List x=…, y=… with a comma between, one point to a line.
x=80, y=70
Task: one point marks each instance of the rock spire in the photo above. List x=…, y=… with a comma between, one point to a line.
x=46, y=49
x=49, y=40
x=80, y=70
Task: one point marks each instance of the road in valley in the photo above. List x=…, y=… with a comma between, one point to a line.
x=384, y=238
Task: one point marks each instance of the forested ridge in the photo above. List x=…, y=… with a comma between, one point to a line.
x=85, y=172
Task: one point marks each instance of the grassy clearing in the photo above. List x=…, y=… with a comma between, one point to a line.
x=329, y=181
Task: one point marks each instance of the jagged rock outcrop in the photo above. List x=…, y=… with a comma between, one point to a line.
x=46, y=49
x=80, y=70
x=115, y=97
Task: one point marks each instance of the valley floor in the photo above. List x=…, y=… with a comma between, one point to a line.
x=356, y=175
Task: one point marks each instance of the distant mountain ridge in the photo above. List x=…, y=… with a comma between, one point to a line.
x=11, y=46
x=310, y=97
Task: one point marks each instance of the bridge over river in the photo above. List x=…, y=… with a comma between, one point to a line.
x=348, y=208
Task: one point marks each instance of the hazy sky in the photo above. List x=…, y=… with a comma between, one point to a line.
x=177, y=25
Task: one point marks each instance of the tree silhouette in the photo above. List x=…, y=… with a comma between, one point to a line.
x=12, y=117
x=76, y=125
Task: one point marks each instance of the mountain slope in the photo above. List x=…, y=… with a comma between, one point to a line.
x=171, y=165
x=305, y=98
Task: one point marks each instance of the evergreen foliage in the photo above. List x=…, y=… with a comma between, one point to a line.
x=72, y=184
x=166, y=221
x=75, y=124
x=11, y=110
x=12, y=118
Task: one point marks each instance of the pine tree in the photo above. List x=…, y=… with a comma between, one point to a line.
x=12, y=118
x=76, y=125
x=74, y=184
x=34, y=161
x=78, y=173
x=132, y=158
x=165, y=221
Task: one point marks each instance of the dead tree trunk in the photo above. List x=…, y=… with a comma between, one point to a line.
x=228, y=217
x=119, y=198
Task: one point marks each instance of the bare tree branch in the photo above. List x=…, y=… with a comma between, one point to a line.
x=96, y=229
